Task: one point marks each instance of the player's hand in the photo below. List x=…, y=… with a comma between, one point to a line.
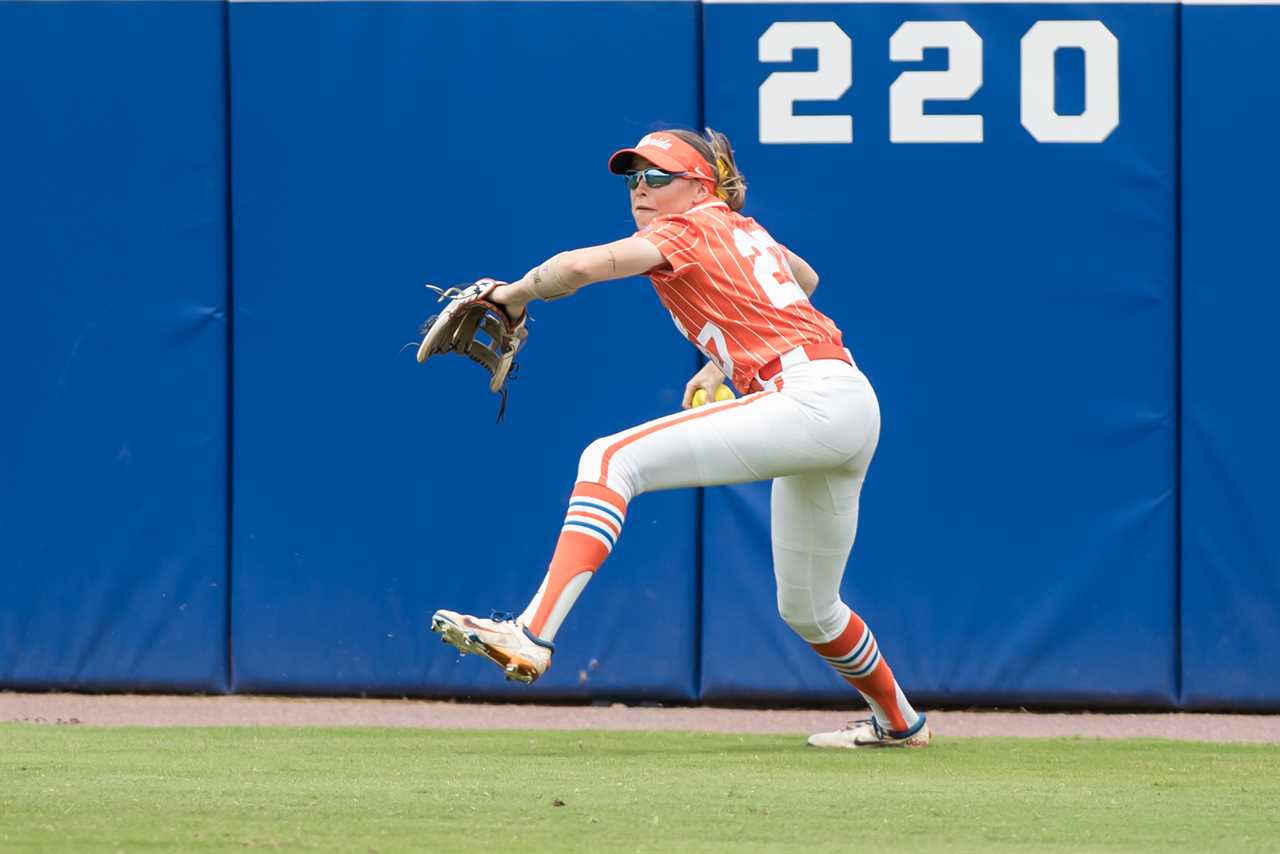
x=708, y=379
x=507, y=296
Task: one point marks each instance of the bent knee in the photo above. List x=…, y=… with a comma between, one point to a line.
x=813, y=622
x=591, y=463
x=616, y=471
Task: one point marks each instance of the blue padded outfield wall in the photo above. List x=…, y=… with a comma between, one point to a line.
x=1044, y=228
x=1230, y=356
x=1013, y=301
x=378, y=147
x=113, y=453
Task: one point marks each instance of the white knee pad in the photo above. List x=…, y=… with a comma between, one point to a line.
x=814, y=622
x=621, y=476
x=590, y=462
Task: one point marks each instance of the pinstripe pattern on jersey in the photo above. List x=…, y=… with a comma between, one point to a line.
x=711, y=281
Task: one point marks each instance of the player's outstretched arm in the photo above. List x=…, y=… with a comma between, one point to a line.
x=563, y=274
x=805, y=275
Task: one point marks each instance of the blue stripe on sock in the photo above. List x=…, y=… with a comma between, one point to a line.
x=605, y=532
x=853, y=656
x=871, y=665
x=601, y=508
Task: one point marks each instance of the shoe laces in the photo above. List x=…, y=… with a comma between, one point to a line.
x=875, y=725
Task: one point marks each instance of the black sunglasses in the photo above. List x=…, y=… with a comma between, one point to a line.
x=653, y=177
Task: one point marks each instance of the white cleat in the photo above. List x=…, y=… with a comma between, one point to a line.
x=869, y=733
x=502, y=639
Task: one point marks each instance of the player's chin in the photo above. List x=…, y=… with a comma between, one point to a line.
x=643, y=217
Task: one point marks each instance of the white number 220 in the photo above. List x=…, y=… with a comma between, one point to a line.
x=962, y=78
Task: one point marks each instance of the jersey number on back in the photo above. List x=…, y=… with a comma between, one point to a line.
x=767, y=265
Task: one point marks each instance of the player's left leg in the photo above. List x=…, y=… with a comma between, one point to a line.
x=815, y=518
x=522, y=645
x=592, y=525
x=724, y=442
x=757, y=437
x=721, y=443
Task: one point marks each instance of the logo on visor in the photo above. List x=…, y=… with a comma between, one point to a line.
x=655, y=141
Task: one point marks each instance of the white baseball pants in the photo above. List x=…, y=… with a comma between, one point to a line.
x=814, y=437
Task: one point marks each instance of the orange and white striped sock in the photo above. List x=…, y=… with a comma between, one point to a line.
x=591, y=527
x=855, y=656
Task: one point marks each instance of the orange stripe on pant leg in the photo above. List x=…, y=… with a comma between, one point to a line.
x=622, y=443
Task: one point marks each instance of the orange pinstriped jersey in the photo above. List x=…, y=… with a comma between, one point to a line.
x=730, y=290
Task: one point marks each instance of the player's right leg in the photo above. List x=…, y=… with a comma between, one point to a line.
x=814, y=521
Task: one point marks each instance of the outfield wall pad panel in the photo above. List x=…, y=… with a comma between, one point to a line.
x=378, y=147
x=1230, y=351
x=1013, y=302
x=113, y=491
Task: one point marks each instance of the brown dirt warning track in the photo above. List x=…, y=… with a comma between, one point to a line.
x=164, y=710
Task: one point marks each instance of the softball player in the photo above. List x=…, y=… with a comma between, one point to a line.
x=809, y=421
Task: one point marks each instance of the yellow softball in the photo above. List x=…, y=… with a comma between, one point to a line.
x=722, y=393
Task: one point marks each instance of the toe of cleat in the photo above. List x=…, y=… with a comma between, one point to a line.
x=451, y=635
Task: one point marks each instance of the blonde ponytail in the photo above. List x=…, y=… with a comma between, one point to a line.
x=731, y=187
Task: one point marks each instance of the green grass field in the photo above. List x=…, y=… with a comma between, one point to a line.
x=75, y=788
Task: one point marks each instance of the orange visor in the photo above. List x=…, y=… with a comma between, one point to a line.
x=669, y=153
